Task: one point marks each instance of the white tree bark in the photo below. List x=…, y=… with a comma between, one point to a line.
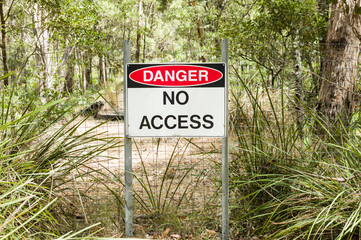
x=42, y=45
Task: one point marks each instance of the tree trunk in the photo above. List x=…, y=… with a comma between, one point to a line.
x=105, y=69
x=42, y=36
x=69, y=77
x=48, y=61
x=88, y=70
x=139, y=33
x=337, y=93
x=69, y=61
x=3, y=42
x=298, y=88
x=82, y=70
x=37, y=30
x=86, y=66
x=49, y=84
x=200, y=31
x=323, y=8
x=60, y=69
x=101, y=69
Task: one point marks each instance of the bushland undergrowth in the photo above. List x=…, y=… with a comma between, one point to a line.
x=37, y=155
x=288, y=182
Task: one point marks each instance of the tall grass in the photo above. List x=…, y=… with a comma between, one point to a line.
x=37, y=154
x=163, y=195
x=161, y=199
x=288, y=182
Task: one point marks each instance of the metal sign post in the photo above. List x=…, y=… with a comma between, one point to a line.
x=127, y=150
x=225, y=153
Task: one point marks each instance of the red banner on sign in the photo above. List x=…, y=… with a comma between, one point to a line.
x=176, y=75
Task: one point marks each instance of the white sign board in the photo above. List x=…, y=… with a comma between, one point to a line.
x=177, y=100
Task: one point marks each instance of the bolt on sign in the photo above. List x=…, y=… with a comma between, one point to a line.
x=176, y=100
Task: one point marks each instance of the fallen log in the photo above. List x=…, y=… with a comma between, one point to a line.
x=110, y=117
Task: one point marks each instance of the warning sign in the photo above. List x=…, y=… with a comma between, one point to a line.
x=176, y=100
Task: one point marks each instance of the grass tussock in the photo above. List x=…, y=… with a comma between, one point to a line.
x=37, y=155
x=286, y=181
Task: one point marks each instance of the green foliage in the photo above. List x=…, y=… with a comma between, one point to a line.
x=357, y=9
x=268, y=33
x=163, y=4
x=76, y=23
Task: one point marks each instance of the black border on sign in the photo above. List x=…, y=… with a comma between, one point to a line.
x=131, y=67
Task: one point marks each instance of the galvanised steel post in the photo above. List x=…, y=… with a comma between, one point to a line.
x=225, y=164
x=127, y=150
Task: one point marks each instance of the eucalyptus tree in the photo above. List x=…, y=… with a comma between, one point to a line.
x=3, y=41
x=338, y=95
x=5, y=14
